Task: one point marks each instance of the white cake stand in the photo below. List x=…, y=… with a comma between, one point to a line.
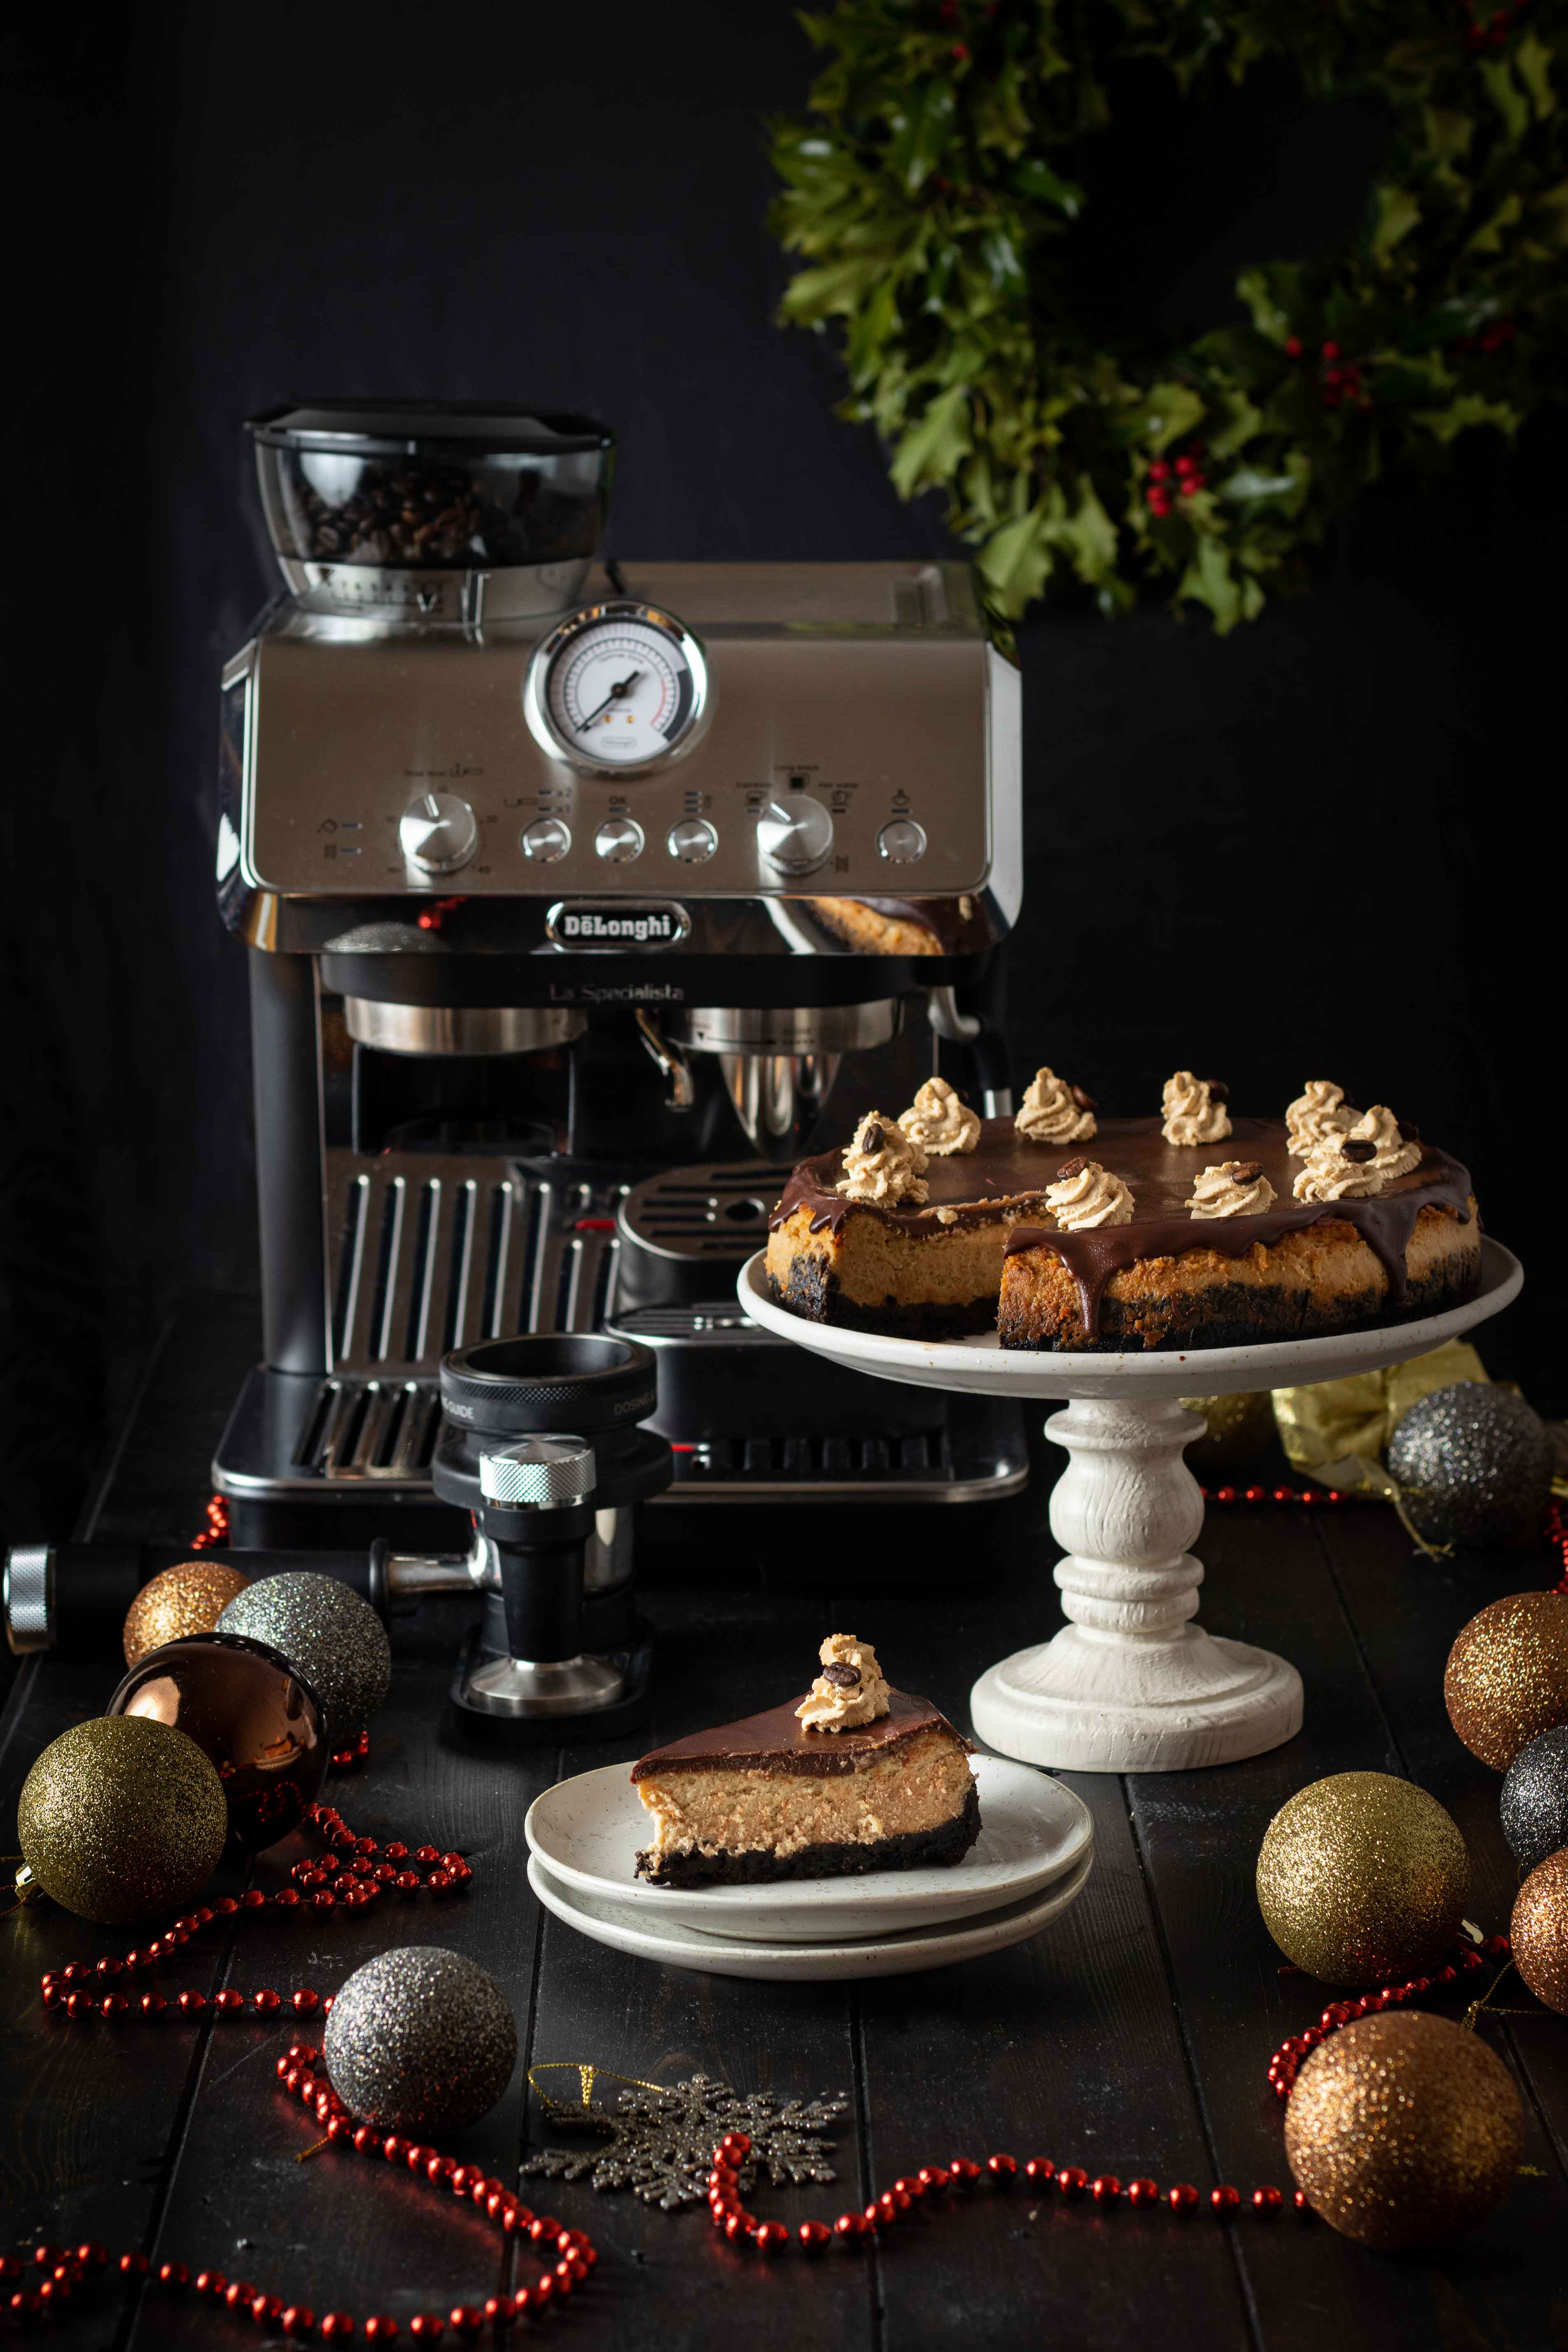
x=1132, y=1684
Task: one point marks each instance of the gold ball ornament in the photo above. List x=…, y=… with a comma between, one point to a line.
x=1539, y=1931
x=1362, y=1878
x=1240, y=1430
x=188, y=1599
x=1403, y=2130
x=1507, y=1676
x=120, y=1817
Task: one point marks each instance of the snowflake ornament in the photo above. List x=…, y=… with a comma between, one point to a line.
x=661, y=2141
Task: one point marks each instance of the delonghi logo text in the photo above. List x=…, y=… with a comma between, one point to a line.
x=627, y=923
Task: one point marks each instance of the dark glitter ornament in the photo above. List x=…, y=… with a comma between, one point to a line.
x=119, y=1818
x=1507, y=1676
x=333, y=1639
x=1473, y=1464
x=420, y=2040
x=1539, y=1932
x=251, y=1712
x=661, y=2141
x=1403, y=2130
x=1534, y=1802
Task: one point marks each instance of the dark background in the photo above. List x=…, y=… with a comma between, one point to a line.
x=1321, y=846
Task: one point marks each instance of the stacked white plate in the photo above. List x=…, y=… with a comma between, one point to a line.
x=1030, y=1861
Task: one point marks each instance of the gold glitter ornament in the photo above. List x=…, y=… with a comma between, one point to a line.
x=188, y=1599
x=1362, y=1878
x=1240, y=1430
x=1403, y=2130
x=1507, y=1676
x=120, y=1817
x=1539, y=1931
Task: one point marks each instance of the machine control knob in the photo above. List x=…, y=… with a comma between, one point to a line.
x=544, y=1472
x=903, y=841
x=618, y=840
x=439, y=833
x=693, y=841
x=795, y=834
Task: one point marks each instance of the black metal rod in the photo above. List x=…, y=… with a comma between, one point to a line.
x=289, y=1174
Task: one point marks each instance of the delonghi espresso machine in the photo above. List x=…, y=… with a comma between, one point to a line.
x=570, y=893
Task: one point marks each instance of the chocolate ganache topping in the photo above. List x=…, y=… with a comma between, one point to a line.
x=1002, y=1181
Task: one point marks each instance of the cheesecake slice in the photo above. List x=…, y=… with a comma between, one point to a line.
x=856, y=1776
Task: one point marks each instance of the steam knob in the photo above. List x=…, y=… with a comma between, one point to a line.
x=795, y=835
x=439, y=833
x=542, y=1472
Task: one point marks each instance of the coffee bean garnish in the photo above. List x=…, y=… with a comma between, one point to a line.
x=1408, y=1131
x=843, y=1677
x=1246, y=1171
x=1084, y=1101
x=871, y=1135
x=1358, y=1148
x=1072, y=1168
x=1218, y=1090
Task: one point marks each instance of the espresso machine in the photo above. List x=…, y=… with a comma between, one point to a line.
x=580, y=898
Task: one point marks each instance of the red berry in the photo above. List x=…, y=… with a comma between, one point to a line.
x=1293, y=346
x=1330, y=351
x=1159, y=471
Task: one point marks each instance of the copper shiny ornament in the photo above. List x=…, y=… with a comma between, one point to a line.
x=246, y=1708
x=1539, y=1931
x=119, y=1818
x=1403, y=2130
x=1362, y=1878
x=187, y=1598
x=1507, y=1676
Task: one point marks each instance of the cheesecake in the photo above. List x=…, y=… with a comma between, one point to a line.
x=855, y=1776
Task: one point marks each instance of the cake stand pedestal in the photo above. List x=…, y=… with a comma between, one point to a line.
x=1131, y=1684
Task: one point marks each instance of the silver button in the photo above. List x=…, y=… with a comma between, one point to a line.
x=903, y=841
x=620, y=839
x=795, y=834
x=544, y=1472
x=693, y=841
x=545, y=840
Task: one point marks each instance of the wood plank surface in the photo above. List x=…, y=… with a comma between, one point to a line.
x=1131, y=2037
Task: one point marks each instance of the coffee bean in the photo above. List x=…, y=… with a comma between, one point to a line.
x=1408, y=1131
x=1084, y=1102
x=872, y=1137
x=1246, y=1171
x=1071, y=1167
x=1358, y=1148
x=843, y=1677
x=1218, y=1090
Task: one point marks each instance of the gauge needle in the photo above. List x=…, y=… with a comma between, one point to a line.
x=616, y=694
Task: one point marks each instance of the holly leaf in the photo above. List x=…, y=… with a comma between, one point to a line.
x=1165, y=412
x=931, y=450
x=1396, y=212
x=1470, y=409
x=1532, y=64
x=1273, y=293
x=1085, y=532
x=922, y=135
x=1211, y=579
x=1037, y=182
x=1250, y=484
x=1508, y=97
x=1017, y=561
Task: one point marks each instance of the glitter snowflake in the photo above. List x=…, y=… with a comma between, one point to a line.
x=661, y=2142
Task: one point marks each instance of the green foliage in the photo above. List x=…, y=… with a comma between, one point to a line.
x=930, y=190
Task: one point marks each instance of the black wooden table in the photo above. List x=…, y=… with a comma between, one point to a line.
x=1131, y=2038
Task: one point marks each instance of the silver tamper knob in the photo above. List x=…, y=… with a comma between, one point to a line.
x=439, y=833
x=542, y=1472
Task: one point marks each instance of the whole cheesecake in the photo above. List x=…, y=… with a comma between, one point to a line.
x=983, y=1250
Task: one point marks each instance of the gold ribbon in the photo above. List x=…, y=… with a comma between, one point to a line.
x=1336, y=1431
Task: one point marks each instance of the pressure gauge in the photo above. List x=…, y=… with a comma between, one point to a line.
x=618, y=689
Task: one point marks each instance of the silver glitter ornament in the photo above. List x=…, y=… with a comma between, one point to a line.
x=1534, y=1802
x=333, y=1640
x=1473, y=1464
x=420, y=2040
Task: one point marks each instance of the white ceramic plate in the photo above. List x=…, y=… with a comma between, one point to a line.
x=626, y=1929
x=979, y=1365
x=587, y=1831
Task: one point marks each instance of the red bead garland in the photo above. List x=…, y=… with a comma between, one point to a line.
x=360, y=1871
x=732, y=2220
x=1292, y=2055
